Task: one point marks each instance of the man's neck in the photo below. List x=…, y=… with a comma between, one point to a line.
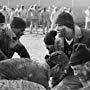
x=69, y=41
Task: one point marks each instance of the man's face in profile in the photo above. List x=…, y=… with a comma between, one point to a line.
x=64, y=31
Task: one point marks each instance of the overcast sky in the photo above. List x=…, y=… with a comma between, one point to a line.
x=81, y=3
x=42, y=2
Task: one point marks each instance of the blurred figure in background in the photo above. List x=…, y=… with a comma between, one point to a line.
x=5, y=13
x=23, y=13
x=12, y=14
x=29, y=17
x=35, y=18
x=87, y=18
x=1, y=6
x=45, y=18
x=53, y=14
x=17, y=10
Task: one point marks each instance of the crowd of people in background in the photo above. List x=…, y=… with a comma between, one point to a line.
x=35, y=16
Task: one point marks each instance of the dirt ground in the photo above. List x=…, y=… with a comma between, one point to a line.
x=34, y=44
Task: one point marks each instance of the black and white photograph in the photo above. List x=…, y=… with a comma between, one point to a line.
x=44, y=44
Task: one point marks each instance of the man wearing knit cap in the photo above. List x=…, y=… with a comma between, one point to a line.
x=80, y=63
x=9, y=42
x=67, y=34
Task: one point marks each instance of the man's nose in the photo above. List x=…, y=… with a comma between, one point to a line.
x=75, y=73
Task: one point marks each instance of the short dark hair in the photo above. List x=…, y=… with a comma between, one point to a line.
x=18, y=22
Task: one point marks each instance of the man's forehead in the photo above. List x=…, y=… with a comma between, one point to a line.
x=62, y=27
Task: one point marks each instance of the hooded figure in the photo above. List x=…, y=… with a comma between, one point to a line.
x=80, y=54
x=80, y=62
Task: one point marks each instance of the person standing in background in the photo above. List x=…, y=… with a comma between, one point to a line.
x=23, y=13
x=87, y=18
x=35, y=19
x=45, y=18
x=5, y=12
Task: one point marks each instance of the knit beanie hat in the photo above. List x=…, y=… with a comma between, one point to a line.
x=50, y=37
x=65, y=19
x=80, y=55
x=18, y=23
x=2, y=18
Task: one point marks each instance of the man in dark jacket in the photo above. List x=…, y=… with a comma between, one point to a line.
x=9, y=41
x=68, y=34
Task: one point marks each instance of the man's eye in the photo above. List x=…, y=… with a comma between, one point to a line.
x=76, y=69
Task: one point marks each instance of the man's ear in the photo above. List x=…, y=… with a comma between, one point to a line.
x=56, y=68
x=75, y=46
x=80, y=46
